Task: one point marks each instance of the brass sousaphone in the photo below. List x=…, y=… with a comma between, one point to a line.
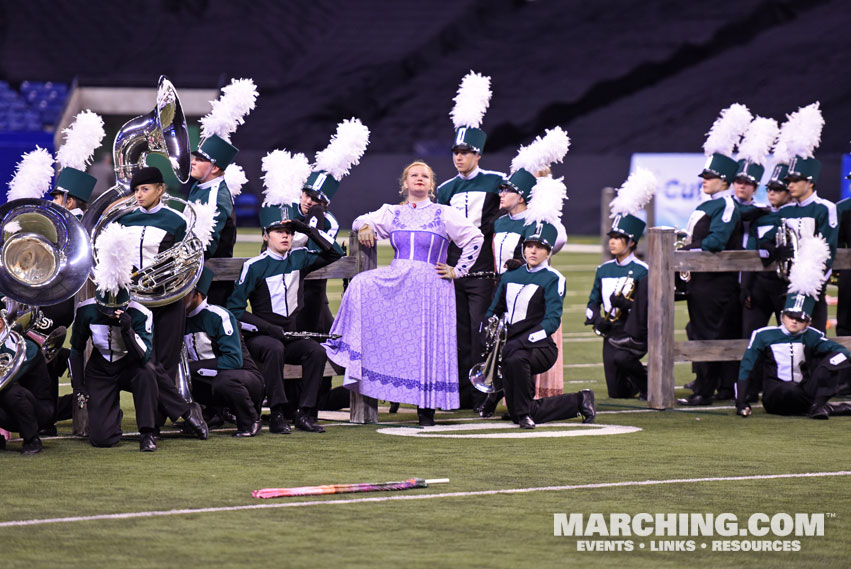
x=163, y=131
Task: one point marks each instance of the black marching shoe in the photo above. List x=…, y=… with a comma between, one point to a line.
x=526, y=422
x=2, y=442
x=819, y=412
x=251, y=431
x=629, y=344
x=487, y=407
x=195, y=419
x=278, y=424
x=696, y=400
x=394, y=407
x=725, y=395
x=48, y=431
x=834, y=409
x=586, y=406
x=425, y=417
x=32, y=446
x=304, y=422
x=147, y=443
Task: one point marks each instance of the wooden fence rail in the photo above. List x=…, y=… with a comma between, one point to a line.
x=662, y=350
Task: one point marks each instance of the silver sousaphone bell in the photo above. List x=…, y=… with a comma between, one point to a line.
x=45, y=258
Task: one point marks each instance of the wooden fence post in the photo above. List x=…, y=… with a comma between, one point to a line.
x=362, y=409
x=660, y=319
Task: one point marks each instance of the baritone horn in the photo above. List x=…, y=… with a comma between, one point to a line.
x=487, y=375
x=786, y=236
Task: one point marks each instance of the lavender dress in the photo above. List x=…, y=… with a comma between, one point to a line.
x=398, y=322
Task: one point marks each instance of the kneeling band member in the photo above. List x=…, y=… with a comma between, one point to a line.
x=532, y=298
x=25, y=403
x=799, y=367
x=223, y=372
x=273, y=282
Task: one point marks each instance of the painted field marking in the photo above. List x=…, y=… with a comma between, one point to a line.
x=263, y=506
x=546, y=430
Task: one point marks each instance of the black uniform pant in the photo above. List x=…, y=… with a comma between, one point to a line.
x=714, y=314
x=104, y=382
x=241, y=390
x=768, y=296
x=271, y=355
x=472, y=298
x=519, y=363
x=626, y=376
x=635, y=325
x=843, y=307
x=169, y=324
x=18, y=411
x=790, y=398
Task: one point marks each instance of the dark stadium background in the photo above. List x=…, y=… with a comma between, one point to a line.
x=621, y=76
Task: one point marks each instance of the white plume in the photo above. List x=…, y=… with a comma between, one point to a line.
x=235, y=179
x=808, y=269
x=205, y=221
x=806, y=125
x=229, y=111
x=782, y=152
x=472, y=100
x=82, y=138
x=758, y=140
x=12, y=227
x=727, y=130
x=635, y=193
x=33, y=175
x=546, y=201
x=542, y=152
x=284, y=177
x=345, y=149
x=114, y=251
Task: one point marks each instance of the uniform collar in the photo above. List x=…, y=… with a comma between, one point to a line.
x=540, y=267
x=629, y=259
x=725, y=194
x=199, y=308
x=740, y=202
x=809, y=200
x=471, y=175
x=788, y=333
x=78, y=212
x=214, y=182
x=521, y=215
x=154, y=209
x=276, y=256
x=425, y=202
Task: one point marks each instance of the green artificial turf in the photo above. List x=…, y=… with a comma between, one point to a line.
x=71, y=478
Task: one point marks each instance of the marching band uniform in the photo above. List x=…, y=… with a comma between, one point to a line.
x=843, y=239
x=625, y=374
x=121, y=360
x=476, y=196
x=157, y=229
x=27, y=402
x=397, y=323
x=799, y=368
x=713, y=298
x=223, y=372
x=533, y=299
x=273, y=283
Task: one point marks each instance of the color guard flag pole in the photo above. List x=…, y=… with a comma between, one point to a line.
x=346, y=488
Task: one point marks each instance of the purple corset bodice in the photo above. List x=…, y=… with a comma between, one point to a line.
x=419, y=246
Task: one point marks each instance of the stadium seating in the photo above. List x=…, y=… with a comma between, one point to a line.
x=35, y=106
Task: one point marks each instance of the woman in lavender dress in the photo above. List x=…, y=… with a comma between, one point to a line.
x=398, y=322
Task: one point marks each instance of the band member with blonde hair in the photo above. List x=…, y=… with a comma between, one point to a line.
x=397, y=323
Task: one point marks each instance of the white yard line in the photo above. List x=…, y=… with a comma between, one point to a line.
x=393, y=498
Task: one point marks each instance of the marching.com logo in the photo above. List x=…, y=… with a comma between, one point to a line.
x=766, y=528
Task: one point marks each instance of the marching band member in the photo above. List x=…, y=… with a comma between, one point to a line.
x=156, y=228
x=532, y=298
x=331, y=165
x=21, y=410
x=475, y=194
x=121, y=331
x=222, y=369
x=713, y=298
x=625, y=374
x=798, y=366
x=843, y=239
x=72, y=191
x=217, y=180
x=397, y=323
x=274, y=284
x=812, y=215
